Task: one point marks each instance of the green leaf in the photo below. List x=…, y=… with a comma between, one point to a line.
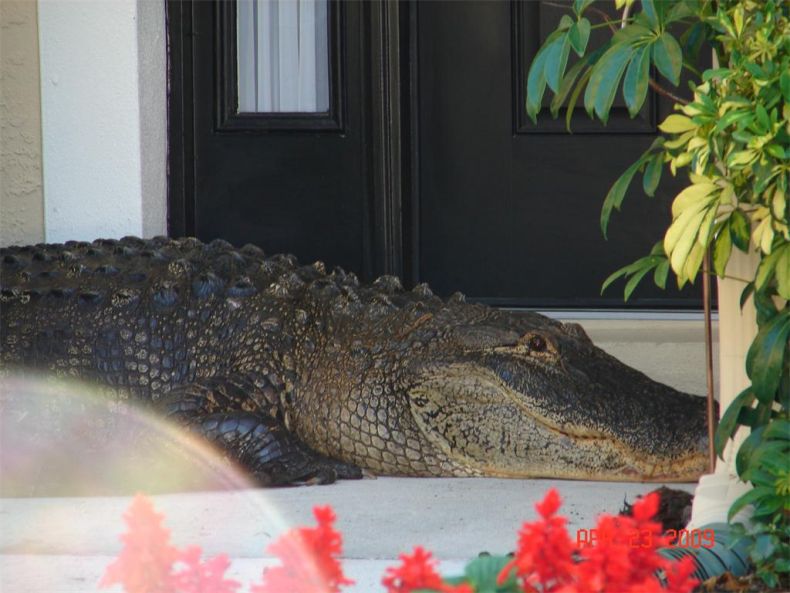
x=766, y=269
x=747, y=292
x=740, y=230
x=783, y=271
x=762, y=118
x=732, y=117
x=566, y=22
x=750, y=497
x=556, y=60
x=579, y=35
x=679, y=11
x=482, y=573
x=570, y=78
x=565, y=87
x=649, y=10
x=770, y=449
x=768, y=577
x=616, y=194
x=765, y=306
x=784, y=81
x=579, y=6
x=721, y=251
x=661, y=273
x=715, y=73
x=605, y=79
x=768, y=506
x=633, y=33
x=766, y=356
x=778, y=429
x=632, y=283
x=763, y=548
x=653, y=174
x=635, y=82
x=580, y=86
x=668, y=57
x=692, y=39
x=536, y=79
x=746, y=449
x=728, y=423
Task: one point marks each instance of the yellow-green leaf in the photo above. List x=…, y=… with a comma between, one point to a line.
x=688, y=228
x=676, y=123
x=721, y=251
x=679, y=224
x=763, y=235
x=680, y=140
x=706, y=227
x=778, y=204
x=692, y=195
x=742, y=157
x=783, y=272
x=693, y=262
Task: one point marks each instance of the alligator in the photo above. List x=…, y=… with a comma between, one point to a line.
x=305, y=376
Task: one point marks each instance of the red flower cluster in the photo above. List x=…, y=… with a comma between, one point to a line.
x=418, y=572
x=147, y=562
x=624, y=559
x=309, y=559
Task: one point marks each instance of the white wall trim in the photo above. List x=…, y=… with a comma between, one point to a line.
x=104, y=130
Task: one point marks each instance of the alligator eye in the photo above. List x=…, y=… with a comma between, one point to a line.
x=536, y=343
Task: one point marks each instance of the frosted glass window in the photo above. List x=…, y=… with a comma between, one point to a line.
x=283, y=56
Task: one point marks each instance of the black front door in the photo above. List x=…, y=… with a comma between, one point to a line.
x=424, y=163
x=508, y=211
x=289, y=182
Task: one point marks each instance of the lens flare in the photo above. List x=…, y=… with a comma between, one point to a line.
x=64, y=438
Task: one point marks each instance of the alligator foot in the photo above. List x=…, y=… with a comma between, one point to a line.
x=257, y=440
x=264, y=447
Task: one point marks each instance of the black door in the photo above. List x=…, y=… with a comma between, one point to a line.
x=507, y=211
x=301, y=183
x=423, y=165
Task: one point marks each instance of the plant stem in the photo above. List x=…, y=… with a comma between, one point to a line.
x=662, y=91
x=692, y=69
x=708, y=360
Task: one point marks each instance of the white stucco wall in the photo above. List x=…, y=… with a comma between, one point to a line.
x=103, y=107
x=21, y=198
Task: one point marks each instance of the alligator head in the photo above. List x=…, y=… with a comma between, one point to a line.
x=519, y=395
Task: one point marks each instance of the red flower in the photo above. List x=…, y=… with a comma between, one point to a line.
x=543, y=554
x=309, y=558
x=418, y=572
x=146, y=562
x=679, y=578
x=625, y=557
x=203, y=577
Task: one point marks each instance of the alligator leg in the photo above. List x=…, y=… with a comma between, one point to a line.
x=222, y=411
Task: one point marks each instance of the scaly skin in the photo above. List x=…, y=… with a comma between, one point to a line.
x=335, y=374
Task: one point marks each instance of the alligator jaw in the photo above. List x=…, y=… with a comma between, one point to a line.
x=489, y=427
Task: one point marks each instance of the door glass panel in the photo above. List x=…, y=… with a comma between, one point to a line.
x=283, y=56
